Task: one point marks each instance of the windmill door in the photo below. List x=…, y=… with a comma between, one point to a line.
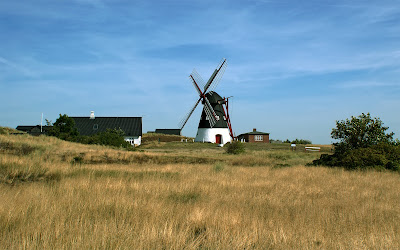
x=218, y=139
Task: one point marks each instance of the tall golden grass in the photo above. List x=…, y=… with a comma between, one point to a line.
x=110, y=198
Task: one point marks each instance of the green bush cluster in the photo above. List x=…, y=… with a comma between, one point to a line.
x=64, y=128
x=110, y=137
x=301, y=141
x=383, y=155
x=363, y=143
x=296, y=141
x=235, y=148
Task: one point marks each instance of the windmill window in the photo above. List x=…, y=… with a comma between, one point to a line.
x=258, y=138
x=95, y=126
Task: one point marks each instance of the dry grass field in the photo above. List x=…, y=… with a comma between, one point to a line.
x=173, y=195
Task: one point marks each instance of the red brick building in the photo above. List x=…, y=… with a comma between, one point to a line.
x=255, y=137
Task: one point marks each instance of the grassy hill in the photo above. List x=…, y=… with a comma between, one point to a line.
x=167, y=194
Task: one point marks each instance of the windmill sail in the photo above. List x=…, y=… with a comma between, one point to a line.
x=195, y=85
x=186, y=118
x=216, y=76
x=197, y=78
x=212, y=117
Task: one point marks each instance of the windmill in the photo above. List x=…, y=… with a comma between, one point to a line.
x=215, y=124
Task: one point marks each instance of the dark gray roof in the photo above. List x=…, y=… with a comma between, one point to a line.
x=34, y=129
x=255, y=133
x=168, y=131
x=132, y=126
x=25, y=128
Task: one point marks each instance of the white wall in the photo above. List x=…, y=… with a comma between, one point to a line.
x=208, y=134
x=133, y=140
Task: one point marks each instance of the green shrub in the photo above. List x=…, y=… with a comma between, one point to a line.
x=363, y=143
x=301, y=141
x=110, y=137
x=64, y=128
x=383, y=156
x=235, y=148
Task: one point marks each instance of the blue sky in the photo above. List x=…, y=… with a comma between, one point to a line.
x=294, y=67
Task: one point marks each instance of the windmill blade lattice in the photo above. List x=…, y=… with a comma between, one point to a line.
x=200, y=82
x=187, y=116
x=195, y=85
x=216, y=76
x=219, y=75
x=210, y=113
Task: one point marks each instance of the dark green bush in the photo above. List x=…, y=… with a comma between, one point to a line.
x=363, y=143
x=64, y=128
x=301, y=141
x=383, y=155
x=110, y=137
x=235, y=148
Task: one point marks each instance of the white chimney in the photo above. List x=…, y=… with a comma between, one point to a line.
x=91, y=114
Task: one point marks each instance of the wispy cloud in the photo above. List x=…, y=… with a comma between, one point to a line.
x=366, y=84
x=18, y=68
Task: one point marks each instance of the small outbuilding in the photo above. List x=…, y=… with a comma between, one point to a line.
x=254, y=136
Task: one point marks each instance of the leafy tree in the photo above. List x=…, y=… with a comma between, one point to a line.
x=363, y=143
x=64, y=128
x=359, y=132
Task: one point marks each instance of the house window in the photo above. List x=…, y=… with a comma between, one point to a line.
x=258, y=138
x=95, y=126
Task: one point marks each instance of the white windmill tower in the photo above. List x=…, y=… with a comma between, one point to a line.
x=215, y=125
